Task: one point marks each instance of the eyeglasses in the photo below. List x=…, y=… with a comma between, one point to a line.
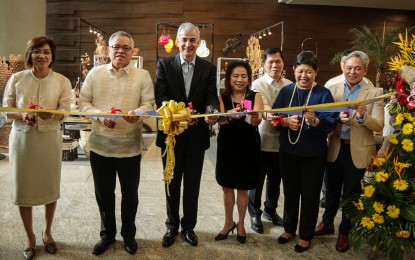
x=125, y=48
x=38, y=52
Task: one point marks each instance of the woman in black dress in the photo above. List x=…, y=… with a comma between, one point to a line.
x=238, y=146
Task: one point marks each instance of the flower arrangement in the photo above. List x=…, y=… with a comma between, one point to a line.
x=405, y=92
x=383, y=216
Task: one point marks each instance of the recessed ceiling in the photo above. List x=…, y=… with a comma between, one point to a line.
x=382, y=4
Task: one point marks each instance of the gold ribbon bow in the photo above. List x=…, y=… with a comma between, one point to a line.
x=174, y=122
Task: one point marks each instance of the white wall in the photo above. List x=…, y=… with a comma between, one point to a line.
x=20, y=20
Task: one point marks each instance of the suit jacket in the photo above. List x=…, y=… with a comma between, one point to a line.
x=362, y=141
x=169, y=85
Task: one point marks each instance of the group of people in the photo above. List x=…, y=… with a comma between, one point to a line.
x=294, y=148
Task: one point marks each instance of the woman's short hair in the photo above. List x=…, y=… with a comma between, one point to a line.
x=229, y=70
x=308, y=58
x=38, y=42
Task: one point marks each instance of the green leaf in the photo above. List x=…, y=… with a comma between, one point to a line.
x=408, y=212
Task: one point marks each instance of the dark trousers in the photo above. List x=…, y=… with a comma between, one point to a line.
x=270, y=168
x=104, y=171
x=341, y=175
x=188, y=168
x=302, y=178
x=323, y=188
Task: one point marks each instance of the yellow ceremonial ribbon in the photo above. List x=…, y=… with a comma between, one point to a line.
x=174, y=118
x=174, y=121
x=343, y=104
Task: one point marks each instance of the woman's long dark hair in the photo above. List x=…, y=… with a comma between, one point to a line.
x=229, y=70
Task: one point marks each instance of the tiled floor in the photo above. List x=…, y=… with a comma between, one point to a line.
x=77, y=222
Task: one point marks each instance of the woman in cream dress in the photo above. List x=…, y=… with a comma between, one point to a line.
x=35, y=140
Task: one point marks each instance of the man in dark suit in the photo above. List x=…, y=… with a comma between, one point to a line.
x=186, y=78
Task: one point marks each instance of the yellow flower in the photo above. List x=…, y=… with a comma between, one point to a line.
x=400, y=185
x=367, y=223
x=408, y=117
x=402, y=233
x=406, y=49
x=399, y=119
x=378, y=161
x=407, y=129
x=392, y=139
x=358, y=204
x=407, y=145
x=404, y=165
x=381, y=177
x=379, y=208
x=369, y=190
x=378, y=218
x=393, y=211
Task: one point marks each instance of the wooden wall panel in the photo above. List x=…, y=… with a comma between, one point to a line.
x=327, y=26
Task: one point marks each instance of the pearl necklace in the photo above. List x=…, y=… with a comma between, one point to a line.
x=302, y=121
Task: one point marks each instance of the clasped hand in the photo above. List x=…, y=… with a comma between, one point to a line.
x=361, y=110
x=110, y=122
x=212, y=119
x=30, y=118
x=293, y=122
x=235, y=110
x=309, y=116
x=131, y=119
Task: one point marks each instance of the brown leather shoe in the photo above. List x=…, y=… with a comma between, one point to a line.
x=342, y=244
x=322, y=229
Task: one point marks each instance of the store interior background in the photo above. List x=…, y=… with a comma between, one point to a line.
x=76, y=225
x=328, y=26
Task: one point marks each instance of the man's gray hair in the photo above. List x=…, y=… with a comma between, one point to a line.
x=361, y=55
x=187, y=26
x=121, y=33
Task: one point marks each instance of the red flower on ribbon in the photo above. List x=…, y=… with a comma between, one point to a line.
x=34, y=106
x=115, y=110
x=193, y=112
x=278, y=120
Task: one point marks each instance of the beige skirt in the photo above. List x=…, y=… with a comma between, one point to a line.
x=35, y=166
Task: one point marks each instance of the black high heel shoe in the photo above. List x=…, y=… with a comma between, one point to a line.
x=221, y=236
x=241, y=239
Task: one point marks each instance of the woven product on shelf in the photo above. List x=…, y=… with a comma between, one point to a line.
x=7, y=68
x=4, y=135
